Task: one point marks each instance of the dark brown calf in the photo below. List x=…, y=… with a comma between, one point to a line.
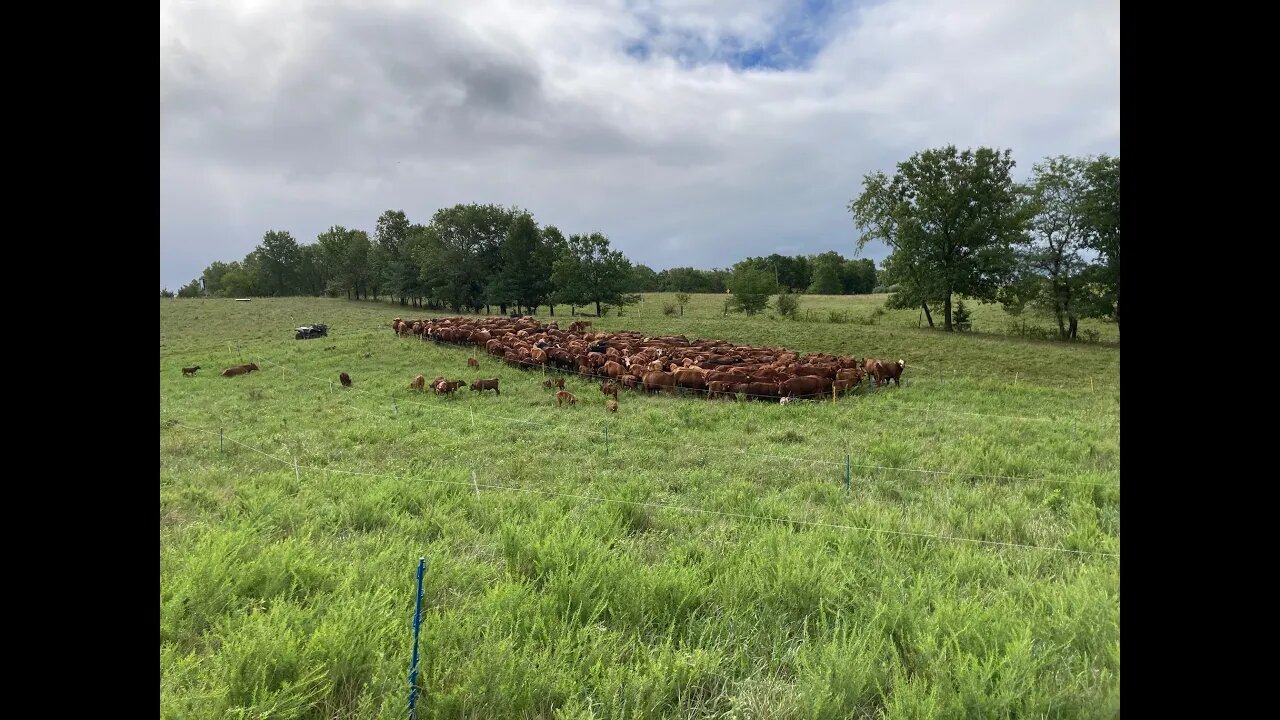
x=488, y=384
x=345, y=379
x=187, y=372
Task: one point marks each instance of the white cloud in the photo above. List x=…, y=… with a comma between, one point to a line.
x=298, y=116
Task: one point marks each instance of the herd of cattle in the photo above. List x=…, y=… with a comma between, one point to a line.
x=715, y=368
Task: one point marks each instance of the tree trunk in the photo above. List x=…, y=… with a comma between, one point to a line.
x=1074, y=328
x=553, y=310
x=501, y=306
x=1062, y=327
x=597, y=308
x=927, y=315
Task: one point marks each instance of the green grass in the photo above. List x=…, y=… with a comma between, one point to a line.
x=289, y=594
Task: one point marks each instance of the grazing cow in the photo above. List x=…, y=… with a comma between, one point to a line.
x=611, y=406
x=188, y=372
x=553, y=383
x=444, y=387
x=610, y=389
x=657, y=380
x=884, y=372
x=842, y=387
x=345, y=379
x=472, y=362
x=564, y=396
x=418, y=383
x=489, y=384
x=806, y=386
x=237, y=370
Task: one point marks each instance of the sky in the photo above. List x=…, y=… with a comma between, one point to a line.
x=690, y=132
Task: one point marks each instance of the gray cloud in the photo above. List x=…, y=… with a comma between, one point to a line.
x=298, y=118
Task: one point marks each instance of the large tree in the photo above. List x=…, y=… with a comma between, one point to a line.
x=588, y=271
x=751, y=286
x=398, y=274
x=459, y=253
x=526, y=267
x=949, y=216
x=278, y=256
x=1100, y=211
x=827, y=274
x=1050, y=269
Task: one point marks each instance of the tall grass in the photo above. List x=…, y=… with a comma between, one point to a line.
x=289, y=595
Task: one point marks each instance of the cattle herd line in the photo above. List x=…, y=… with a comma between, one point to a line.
x=714, y=368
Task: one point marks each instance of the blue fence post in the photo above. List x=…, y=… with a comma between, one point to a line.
x=417, y=625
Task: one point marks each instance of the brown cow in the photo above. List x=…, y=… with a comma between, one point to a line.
x=237, y=370
x=553, y=383
x=188, y=372
x=345, y=379
x=472, y=362
x=444, y=387
x=805, y=386
x=564, y=396
x=657, y=380
x=610, y=389
x=884, y=372
x=418, y=383
x=489, y=384
x=611, y=406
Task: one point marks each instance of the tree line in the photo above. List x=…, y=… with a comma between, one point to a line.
x=955, y=221
x=478, y=257
x=957, y=224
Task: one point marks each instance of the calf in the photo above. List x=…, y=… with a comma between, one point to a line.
x=345, y=379
x=553, y=383
x=444, y=387
x=489, y=384
x=610, y=389
x=472, y=362
x=611, y=406
x=417, y=384
x=188, y=372
x=564, y=396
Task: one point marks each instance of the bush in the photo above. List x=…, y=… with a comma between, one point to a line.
x=960, y=318
x=166, y=293
x=840, y=317
x=668, y=309
x=788, y=305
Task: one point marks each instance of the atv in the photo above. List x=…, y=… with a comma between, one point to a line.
x=306, y=332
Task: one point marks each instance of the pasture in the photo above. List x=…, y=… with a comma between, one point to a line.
x=706, y=562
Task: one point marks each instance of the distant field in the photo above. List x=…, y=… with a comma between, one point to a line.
x=706, y=563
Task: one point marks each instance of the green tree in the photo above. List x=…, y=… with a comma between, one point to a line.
x=398, y=275
x=682, y=299
x=644, y=279
x=554, y=245
x=166, y=293
x=1100, y=210
x=459, y=253
x=526, y=269
x=1050, y=272
x=278, y=258
x=827, y=274
x=191, y=289
x=951, y=216
x=751, y=286
x=587, y=271
x=212, y=278
x=858, y=276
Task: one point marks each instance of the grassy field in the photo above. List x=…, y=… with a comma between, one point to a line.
x=707, y=562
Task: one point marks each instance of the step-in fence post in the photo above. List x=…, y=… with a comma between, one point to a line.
x=417, y=625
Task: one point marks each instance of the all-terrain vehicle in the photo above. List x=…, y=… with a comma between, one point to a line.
x=306, y=332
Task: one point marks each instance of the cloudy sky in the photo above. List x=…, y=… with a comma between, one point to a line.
x=691, y=132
